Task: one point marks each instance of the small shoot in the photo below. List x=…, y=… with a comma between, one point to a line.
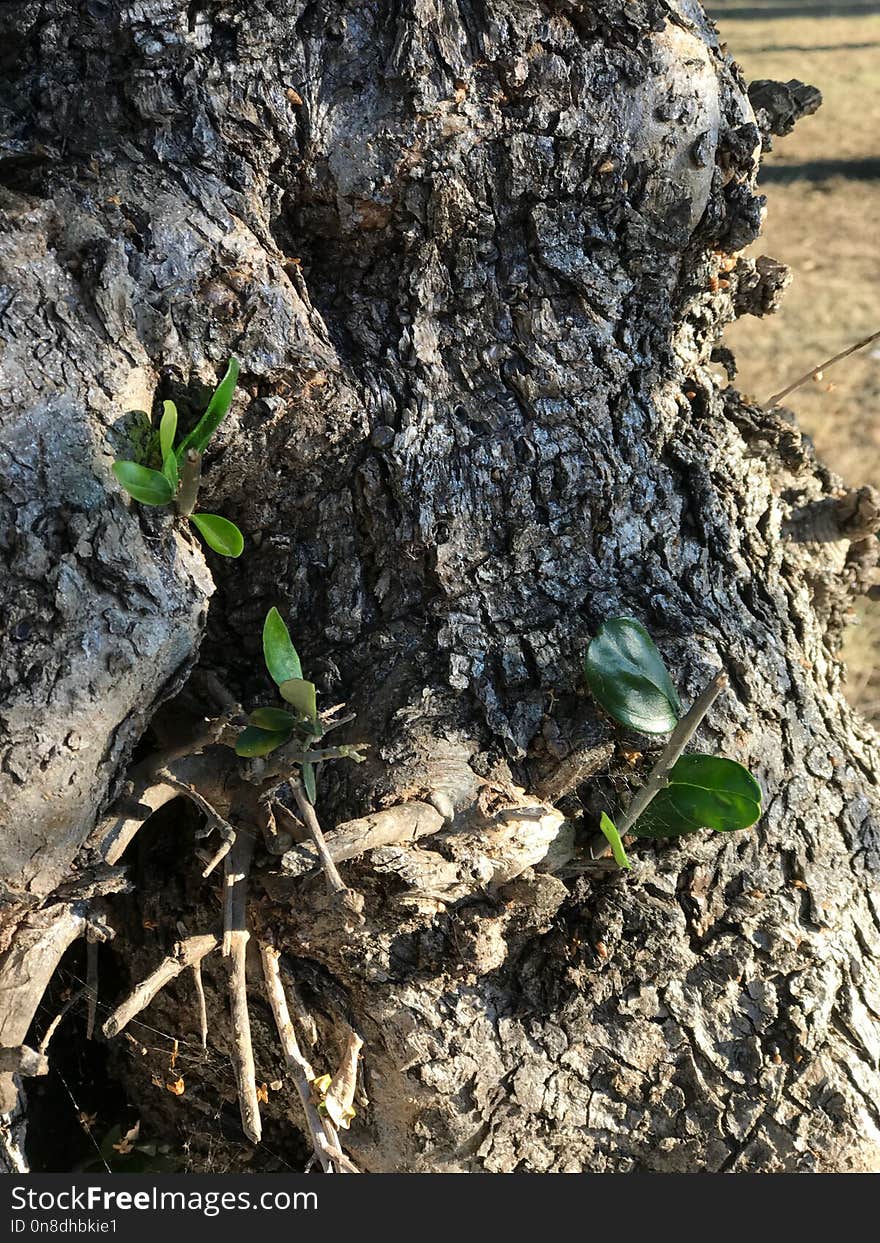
x=683, y=793
x=270, y=728
x=610, y=833
x=178, y=481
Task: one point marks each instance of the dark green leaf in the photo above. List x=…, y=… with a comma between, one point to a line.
x=217, y=410
x=253, y=741
x=627, y=676
x=219, y=533
x=302, y=696
x=274, y=719
x=278, y=651
x=609, y=829
x=167, y=429
x=145, y=485
x=704, y=792
x=308, y=776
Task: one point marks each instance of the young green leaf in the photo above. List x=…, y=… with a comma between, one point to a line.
x=145, y=485
x=253, y=741
x=609, y=829
x=308, y=776
x=302, y=696
x=218, y=408
x=278, y=651
x=167, y=428
x=704, y=792
x=219, y=533
x=170, y=471
x=628, y=678
x=273, y=719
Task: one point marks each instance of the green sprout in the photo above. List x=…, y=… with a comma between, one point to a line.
x=270, y=728
x=683, y=793
x=177, y=483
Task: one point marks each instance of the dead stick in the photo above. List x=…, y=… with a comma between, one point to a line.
x=203, y=1009
x=323, y=1133
x=852, y=349
x=91, y=984
x=53, y=1026
x=235, y=939
x=335, y=883
x=185, y=954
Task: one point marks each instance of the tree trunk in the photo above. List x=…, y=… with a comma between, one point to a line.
x=474, y=258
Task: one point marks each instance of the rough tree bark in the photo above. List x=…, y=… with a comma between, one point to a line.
x=474, y=257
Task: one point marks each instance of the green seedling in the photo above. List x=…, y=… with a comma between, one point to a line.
x=177, y=483
x=683, y=793
x=270, y=728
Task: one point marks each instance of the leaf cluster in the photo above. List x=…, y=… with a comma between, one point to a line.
x=630, y=681
x=177, y=483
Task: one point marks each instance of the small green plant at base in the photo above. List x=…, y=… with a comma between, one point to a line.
x=177, y=483
x=270, y=728
x=683, y=793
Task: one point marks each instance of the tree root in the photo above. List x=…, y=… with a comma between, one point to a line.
x=186, y=954
x=25, y=972
x=325, y=1139
x=235, y=939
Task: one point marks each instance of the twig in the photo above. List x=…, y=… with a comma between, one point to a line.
x=146, y=791
x=852, y=349
x=185, y=954
x=53, y=1026
x=203, y=1009
x=335, y=883
x=91, y=983
x=658, y=778
x=235, y=939
x=325, y=1139
x=281, y=762
x=212, y=816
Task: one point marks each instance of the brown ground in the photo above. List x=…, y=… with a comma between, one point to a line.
x=823, y=219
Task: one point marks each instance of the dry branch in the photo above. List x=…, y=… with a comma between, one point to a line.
x=325, y=1139
x=235, y=939
x=203, y=1009
x=186, y=954
x=337, y=886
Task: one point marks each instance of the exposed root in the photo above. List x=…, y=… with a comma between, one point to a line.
x=186, y=954
x=325, y=1140
x=349, y=900
x=13, y=1126
x=91, y=983
x=405, y=823
x=25, y=972
x=203, y=1009
x=151, y=785
x=235, y=939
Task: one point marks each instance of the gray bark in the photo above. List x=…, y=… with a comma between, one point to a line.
x=474, y=258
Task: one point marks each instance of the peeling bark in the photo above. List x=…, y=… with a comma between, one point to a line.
x=474, y=258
